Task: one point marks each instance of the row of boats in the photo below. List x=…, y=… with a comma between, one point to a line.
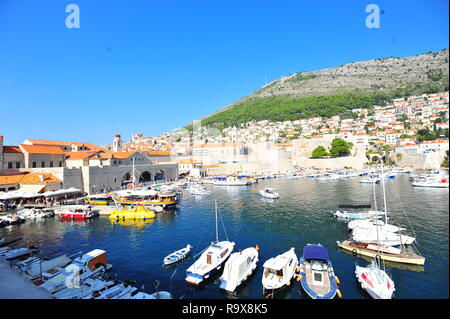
x=80, y=276
x=314, y=269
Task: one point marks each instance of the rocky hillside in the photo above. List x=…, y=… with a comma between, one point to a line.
x=392, y=76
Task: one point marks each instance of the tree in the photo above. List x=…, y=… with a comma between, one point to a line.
x=445, y=162
x=319, y=152
x=339, y=147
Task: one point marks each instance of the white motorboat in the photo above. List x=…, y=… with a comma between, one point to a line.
x=177, y=255
x=357, y=216
x=317, y=274
x=92, y=264
x=86, y=288
x=269, y=193
x=32, y=267
x=432, y=181
x=371, y=223
x=279, y=270
x=198, y=190
x=155, y=295
x=370, y=180
x=231, y=181
x=210, y=261
x=19, y=252
x=238, y=268
x=385, y=237
x=375, y=281
x=118, y=291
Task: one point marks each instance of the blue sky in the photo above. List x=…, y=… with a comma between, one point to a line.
x=152, y=66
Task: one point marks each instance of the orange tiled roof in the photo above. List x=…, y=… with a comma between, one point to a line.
x=34, y=178
x=80, y=155
x=41, y=149
x=56, y=143
x=11, y=149
x=11, y=179
x=162, y=153
x=28, y=178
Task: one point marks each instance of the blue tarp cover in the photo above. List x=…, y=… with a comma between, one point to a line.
x=315, y=252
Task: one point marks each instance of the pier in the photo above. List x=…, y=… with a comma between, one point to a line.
x=14, y=286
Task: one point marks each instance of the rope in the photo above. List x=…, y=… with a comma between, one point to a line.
x=404, y=212
x=226, y=235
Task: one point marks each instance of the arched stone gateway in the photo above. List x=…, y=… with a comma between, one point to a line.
x=145, y=177
x=376, y=157
x=126, y=179
x=159, y=175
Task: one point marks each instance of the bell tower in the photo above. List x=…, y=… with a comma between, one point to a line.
x=117, y=143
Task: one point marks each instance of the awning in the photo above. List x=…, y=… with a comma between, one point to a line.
x=315, y=252
x=31, y=188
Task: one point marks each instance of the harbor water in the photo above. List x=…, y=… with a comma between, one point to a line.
x=300, y=216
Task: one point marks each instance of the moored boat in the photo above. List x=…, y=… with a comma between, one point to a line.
x=269, y=193
x=77, y=213
x=279, y=270
x=177, y=255
x=238, y=268
x=316, y=273
x=137, y=212
x=375, y=281
x=387, y=253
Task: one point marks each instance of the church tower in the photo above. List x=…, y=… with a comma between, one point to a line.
x=117, y=144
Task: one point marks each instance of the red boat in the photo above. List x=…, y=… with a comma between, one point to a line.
x=77, y=213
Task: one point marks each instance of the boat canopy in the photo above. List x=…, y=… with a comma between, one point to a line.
x=315, y=252
x=355, y=206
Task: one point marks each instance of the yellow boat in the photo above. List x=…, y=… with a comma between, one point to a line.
x=139, y=212
x=99, y=200
x=386, y=253
x=149, y=198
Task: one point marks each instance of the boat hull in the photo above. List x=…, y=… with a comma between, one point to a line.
x=361, y=249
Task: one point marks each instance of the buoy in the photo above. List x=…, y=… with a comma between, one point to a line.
x=339, y=293
x=337, y=280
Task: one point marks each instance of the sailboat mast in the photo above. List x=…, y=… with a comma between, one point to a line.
x=376, y=222
x=134, y=175
x=384, y=191
x=217, y=233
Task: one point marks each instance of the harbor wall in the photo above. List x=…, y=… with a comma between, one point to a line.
x=356, y=161
x=432, y=160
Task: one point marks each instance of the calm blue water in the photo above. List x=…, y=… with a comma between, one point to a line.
x=299, y=217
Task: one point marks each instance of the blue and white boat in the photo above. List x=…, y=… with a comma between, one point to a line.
x=210, y=261
x=177, y=255
x=316, y=273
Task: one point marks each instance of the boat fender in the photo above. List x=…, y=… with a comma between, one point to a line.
x=337, y=280
x=339, y=293
x=297, y=269
x=354, y=252
x=299, y=277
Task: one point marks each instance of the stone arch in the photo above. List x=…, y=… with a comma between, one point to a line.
x=159, y=175
x=126, y=179
x=145, y=177
x=371, y=157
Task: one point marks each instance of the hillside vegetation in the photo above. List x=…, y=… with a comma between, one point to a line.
x=337, y=90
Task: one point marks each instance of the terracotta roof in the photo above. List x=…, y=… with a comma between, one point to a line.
x=41, y=149
x=11, y=179
x=58, y=143
x=11, y=149
x=35, y=178
x=161, y=153
x=80, y=155
x=28, y=178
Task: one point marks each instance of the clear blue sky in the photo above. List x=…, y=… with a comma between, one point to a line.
x=152, y=66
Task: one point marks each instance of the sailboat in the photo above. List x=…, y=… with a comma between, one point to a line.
x=211, y=260
x=375, y=247
x=373, y=278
